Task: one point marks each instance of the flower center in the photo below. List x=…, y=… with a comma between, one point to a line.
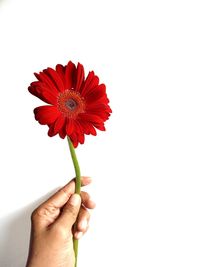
x=70, y=103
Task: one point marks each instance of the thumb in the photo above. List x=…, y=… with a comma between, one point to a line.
x=70, y=212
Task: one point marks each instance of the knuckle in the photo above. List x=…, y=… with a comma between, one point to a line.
x=86, y=213
x=86, y=199
x=34, y=215
x=65, y=192
x=48, y=211
x=85, y=217
x=84, y=195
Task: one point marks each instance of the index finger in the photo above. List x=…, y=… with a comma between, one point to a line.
x=60, y=198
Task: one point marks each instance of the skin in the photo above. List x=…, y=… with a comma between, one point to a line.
x=51, y=242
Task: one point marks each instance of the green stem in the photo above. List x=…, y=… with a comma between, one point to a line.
x=77, y=189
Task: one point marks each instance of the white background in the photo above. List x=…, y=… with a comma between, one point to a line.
x=145, y=167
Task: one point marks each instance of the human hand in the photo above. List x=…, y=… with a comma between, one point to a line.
x=51, y=243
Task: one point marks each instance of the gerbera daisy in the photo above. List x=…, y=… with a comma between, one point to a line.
x=77, y=105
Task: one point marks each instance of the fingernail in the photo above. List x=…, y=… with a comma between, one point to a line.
x=92, y=202
x=74, y=200
x=87, y=178
x=79, y=235
x=84, y=224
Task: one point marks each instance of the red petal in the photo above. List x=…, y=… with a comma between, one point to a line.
x=90, y=117
x=59, y=124
x=87, y=127
x=69, y=126
x=46, y=114
x=70, y=71
x=42, y=77
x=99, y=106
x=96, y=93
x=62, y=131
x=79, y=131
x=81, y=138
x=103, y=115
x=54, y=76
x=74, y=139
x=89, y=84
x=41, y=91
x=51, y=131
x=101, y=127
x=83, y=124
x=91, y=129
x=101, y=103
x=60, y=69
x=101, y=110
x=80, y=77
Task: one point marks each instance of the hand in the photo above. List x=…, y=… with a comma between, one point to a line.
x=51, y=243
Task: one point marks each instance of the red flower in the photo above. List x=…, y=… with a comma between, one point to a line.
x=76, y=105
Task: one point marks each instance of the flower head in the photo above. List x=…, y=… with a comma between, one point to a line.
x=76, y=105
